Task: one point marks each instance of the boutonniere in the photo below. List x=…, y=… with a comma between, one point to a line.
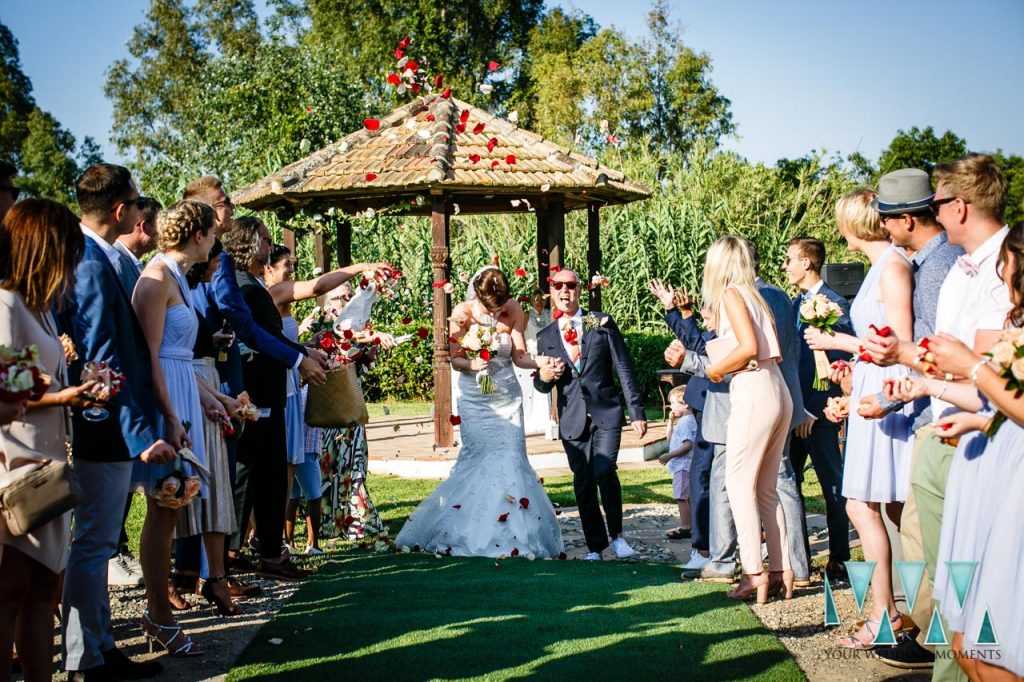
x=593, y=321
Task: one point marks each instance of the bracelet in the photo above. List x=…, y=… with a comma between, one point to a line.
x=973, y=374
x=945, y=385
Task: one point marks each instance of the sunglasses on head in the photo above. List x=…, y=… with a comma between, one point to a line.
x=571, y=286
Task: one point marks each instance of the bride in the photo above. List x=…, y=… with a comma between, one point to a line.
x=492, y=503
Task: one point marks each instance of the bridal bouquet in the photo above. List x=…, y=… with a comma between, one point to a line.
x=478, y=342
x=21, y=376
x=1008, y=356
x=820, y=312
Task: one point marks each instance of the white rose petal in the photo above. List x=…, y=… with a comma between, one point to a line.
x=486, y=88
x=1018, y=369
x=1003, y=353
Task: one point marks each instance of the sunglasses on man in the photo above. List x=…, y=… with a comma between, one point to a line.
x=571, y=286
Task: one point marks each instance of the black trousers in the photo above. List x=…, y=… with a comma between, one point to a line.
x=823, y=447
x=263, y=465
x=592, y=461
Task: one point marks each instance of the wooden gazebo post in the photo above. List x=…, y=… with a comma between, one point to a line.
x=439, y=260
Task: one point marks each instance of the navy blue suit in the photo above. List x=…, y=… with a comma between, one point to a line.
x=590, y=418
x=822, y=445
x=104, y=327
x=690, y=336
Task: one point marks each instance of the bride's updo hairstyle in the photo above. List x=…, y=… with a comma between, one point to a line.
x=491, y=288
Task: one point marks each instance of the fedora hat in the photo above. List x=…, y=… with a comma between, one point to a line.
x=907, y=190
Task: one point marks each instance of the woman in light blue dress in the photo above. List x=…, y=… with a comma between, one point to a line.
x=164, y=308
x=876, y=468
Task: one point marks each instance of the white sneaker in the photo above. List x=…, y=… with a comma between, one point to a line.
x=119, y=572
x=313, y=551
x=132, y=562
x=291, y=549
x=593, y=556
x=622, y=549
x=696, y=562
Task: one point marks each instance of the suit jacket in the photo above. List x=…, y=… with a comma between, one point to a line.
x=264, y=374
x=104, y=327
x=126, y=268
x=591, y=391
x=690, y=336
x=789, y=344
x=229, y=304
x=814, y=401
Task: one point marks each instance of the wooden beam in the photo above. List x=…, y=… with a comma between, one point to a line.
x=441, y=264
x=556, y=231
x=594, y=252
x=542, y=247
x=288, y=240
x=344, y=238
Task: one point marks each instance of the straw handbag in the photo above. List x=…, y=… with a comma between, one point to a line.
x=338, y=401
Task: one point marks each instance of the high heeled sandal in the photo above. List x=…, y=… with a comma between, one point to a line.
x=760, y=588
x=224, y=608
x=780, y=584
x=872, y=627
x=170, y=637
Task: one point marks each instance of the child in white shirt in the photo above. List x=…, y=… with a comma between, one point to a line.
x=683, y=432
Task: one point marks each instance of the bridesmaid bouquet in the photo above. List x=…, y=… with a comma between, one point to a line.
x=246, y=410
x=1008, y=356
x=822, y=313
x=21, y=375
x=177, y=489
x=478, y=342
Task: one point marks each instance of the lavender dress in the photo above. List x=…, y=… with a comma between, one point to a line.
x=876, y=467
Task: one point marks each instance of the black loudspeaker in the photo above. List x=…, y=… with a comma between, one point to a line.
x=844, y=278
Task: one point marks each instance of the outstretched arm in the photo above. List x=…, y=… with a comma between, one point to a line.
x=289, y=291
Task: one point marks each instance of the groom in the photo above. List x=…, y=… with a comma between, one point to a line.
x=588, y=346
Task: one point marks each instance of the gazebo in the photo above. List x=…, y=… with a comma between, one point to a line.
x=436, y=157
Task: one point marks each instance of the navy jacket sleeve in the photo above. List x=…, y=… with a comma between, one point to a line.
x=686, y=330
x=96, y=334
x=233, y=307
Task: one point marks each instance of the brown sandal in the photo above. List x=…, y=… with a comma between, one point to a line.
x=178, y=602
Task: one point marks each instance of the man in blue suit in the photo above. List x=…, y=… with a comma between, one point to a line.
x=104, y=328
x=817, y=436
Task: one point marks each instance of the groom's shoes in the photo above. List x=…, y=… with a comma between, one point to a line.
x=622, y=549
x=592, y=556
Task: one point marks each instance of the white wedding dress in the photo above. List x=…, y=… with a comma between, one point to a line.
x=492, y=503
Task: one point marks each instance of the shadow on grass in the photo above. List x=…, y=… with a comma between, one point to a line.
x=417, y=617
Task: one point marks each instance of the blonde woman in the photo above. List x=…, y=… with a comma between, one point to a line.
x=760, y=412
x=876, y=467
x=164, y=307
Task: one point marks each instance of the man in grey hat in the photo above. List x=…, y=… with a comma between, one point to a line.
x=904, y=203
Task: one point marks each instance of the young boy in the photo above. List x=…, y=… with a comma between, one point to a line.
x=683, y=432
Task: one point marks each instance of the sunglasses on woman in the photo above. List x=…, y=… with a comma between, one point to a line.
x=571, y=286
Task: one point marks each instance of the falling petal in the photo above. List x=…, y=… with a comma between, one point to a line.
x=394, y=79
x=494, y=164
x=460, y=128
x=486, y=88
x=402, y=61
x=493, y=65
x=411, y=124
x=371, y=124
x=513, y=117
x=431, y=117
x=449, y=288
x=370, y=177
x=510, y=498
x=492, y=143
x=304, y=145
x=455, y=209
x=545, y=187
x=603, y=127
x=515, y=203
x=527, y=202
x=478, y=128
x=405, y=42
x=464, y=116
x=446, y=93
x=423, y=134
x=520, y=272
x=475, y=158
x=455, y=421
x=503, y=518
x=412, y=66
x=398, y=53
x=438, y=80
x=510, y=159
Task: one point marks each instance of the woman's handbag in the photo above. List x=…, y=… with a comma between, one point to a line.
x=338, y=401
x=34, y=495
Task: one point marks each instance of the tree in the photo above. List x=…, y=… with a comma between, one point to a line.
x=31, y=138
x=917, y=148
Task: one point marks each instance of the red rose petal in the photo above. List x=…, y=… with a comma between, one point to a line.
x=495, y=261
x=524, y=503
x=556, y=313
x=371, y=124
x=555, y=268
x=376, y=340
x=455, y=419
x=885, y=331
x=415, y=88
x=406, y=320
x=493, y=65
x=503, y=518
x=431, y=117
x=438, y=81
x=439, y=285
x=411, y=66
x=394, y=78
x=520, y=272
x=514, y=552
x=510, y=159
x=460, y=128
x=452, y=339
x=423, y=332
x=478, y=128
x=447, y=93
x=404, y=42
x=399, y=53
x=475, y=158
x=464, y=115
x=370, y=177
x=494, y=163
x=347, y=333
x=492, y=143
x=562, y=556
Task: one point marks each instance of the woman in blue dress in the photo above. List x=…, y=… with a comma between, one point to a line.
x=876, y=468
x=164, y=307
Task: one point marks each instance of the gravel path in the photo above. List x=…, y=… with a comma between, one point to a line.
x=797, y=622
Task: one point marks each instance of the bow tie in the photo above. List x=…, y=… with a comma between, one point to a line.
x=967, y=265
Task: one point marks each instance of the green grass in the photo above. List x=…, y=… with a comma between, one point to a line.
x=387, y=616
x=400, y=409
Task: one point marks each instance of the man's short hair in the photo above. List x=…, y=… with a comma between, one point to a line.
x=978, y=180
x=148, y=208
x=7, y=169
x=102, y=186
x=810, y=248
x=201, y=188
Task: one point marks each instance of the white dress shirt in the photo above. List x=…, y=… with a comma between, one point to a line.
x=108, y=249
x=577, y=323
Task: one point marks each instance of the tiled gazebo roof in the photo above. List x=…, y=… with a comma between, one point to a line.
x=441, y=144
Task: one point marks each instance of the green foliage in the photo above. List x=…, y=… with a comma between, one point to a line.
x=917, y=148
x=31, y=138
x=405, y=372
x=646, y=350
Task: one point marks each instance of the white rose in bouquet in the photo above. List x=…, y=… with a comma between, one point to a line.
x=1003, y=353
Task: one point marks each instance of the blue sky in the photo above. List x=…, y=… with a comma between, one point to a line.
x=801, y=74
